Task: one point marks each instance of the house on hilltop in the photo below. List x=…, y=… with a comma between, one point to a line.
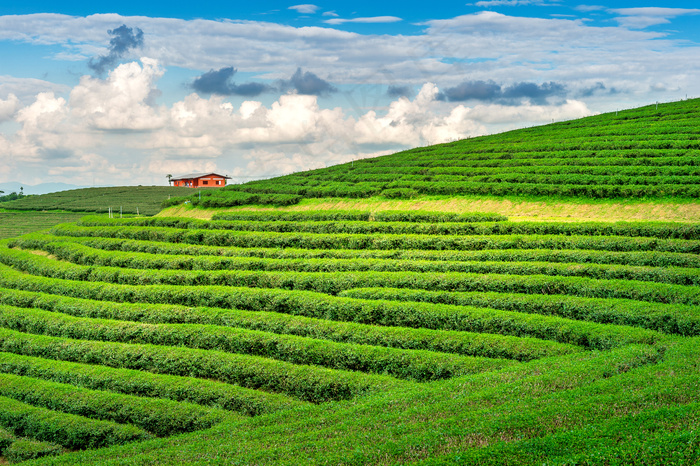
x=200, y=180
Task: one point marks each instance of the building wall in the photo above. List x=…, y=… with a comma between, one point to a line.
x=203, y=182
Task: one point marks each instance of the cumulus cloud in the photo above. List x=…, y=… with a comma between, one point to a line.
x=125, y=100
x=123, y=39
x=307, y=83
x=221, y=82
x=118, y=118
x=26, y=89
x=8, y=107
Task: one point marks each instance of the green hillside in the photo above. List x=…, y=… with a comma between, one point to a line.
x=16, y=223
x=373, y=336
x=145, y=200
x=646, y=153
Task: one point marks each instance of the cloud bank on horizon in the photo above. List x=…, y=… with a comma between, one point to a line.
x=125, y=99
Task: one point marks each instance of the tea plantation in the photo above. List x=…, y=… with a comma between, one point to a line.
x=648, y=152
x=359, y=337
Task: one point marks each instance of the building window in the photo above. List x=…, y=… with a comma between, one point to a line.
x=205, y=182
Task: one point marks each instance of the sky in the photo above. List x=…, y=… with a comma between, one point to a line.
x=97, y=94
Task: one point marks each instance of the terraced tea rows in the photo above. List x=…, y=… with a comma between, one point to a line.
x=648, y=152
x=120, y=331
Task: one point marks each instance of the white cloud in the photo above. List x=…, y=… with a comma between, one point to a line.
x=369, y=20
x=587, y=8
x=305, y=8
x=640, y=18
x=26, y=89
x=118, y=118
x=108, y=130
x=123, y=101
x=8, y=107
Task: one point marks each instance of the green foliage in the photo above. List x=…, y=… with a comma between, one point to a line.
x=335, y=282
x=266, y=239
x=671, y=319
x=292, y=216
x=146, y=384
x=415, y=365
x=159, y=417
x=534, y=343
x=130, y=199
x=399, y=193
x=653, y=154
x=465, y=343
x=83, y=255
x=27, y=449
x=300, y=381
x=227, y=198
x=11, y=197
x=202, y=255
x=68, y=430
x=421, y=315
x=15, y=223
x=420, y=224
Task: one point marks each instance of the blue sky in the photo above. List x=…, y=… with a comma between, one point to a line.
x=127, y=93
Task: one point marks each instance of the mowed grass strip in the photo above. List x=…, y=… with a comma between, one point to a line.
x=157, y=416
x=304, y=382
x=146, y=384
x=335, y=282
x=372, y=312
x=68, y=430
x=380, y=241
x=345, y=215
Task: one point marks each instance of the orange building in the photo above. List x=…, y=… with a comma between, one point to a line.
x=200, y=180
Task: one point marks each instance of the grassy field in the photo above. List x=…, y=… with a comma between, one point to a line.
x=444, y=329
x=16, y=223
x=144, y=200
x=516, y=209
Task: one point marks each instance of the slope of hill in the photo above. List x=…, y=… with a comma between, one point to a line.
x=649, y=152
x=145, y=200
x=358, y=337
x=332, y=338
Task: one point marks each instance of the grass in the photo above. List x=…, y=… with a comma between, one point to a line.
x=16, y=223
x=144, y=200
x=515, y=208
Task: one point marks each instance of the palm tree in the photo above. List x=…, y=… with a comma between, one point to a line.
x=169, y=177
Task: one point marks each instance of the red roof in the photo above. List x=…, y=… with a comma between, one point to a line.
x=193, y=176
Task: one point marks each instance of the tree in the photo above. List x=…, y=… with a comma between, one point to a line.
x=169, y=177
